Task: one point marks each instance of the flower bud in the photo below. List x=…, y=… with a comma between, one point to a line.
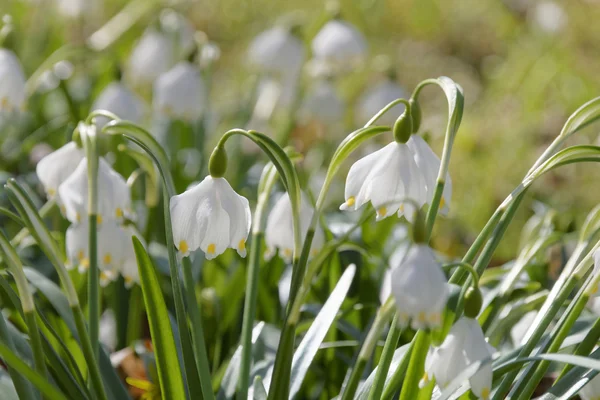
x=403, y=127
x=415, y=114
x=217, y=164
x=473, y=302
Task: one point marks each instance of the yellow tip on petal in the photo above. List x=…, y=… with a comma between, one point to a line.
x=107, y=258
x=351, y=200
x=128, y=280
x=242, y=245
x=119, y=212
x=425, y=377
x=51, y=192
x=442, y=202
x=421, y=317
x=183, y=247
x=4, y=102
x=401, y=208
x=485, y=394
x=287, y=252
x=382, y=211
x=84, y=263
x=80, y=255
x=211, y=248
x=78, y=217
x=103, y=276
x=99, y=219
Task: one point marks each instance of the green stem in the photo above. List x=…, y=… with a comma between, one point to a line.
x=536, y=335
x=386, y=359
x=88, y=353
x=398, y=377
x=94, y=287
x=36, y=343
x=24, y=389
x=197, y=332
x=467, y=267
x=280, y=381
x=416, y=366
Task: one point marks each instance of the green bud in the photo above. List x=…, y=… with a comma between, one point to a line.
x=217, y=164
x=415, y=113
x=473, y=302
x=77, y=138
x=419, y=227
x=403, y=127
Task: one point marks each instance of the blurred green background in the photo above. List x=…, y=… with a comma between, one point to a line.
x=524, y=65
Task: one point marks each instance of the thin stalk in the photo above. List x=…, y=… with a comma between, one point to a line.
x=538, y=332
x=39, y=359
x=584, y=348
x=416, y=366
x=43, y=212
x=386, y=359
x=383, y=316
x=398, y=377
x=197, y=330
x=280, y=381
x=94, y=287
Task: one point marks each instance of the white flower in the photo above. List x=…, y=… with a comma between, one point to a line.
x=76, y=8
x=176, y=25
x=114, y=199
x=180, y=92
x=323, y=104
x=429, y=165
x=212, y=217
x=464, y=345
x=549, y=16
x=209, y=54
x=419, y=287
x=339, y=45
x=56, y=167
x=591, y=391
x=112, y=239
x=277, y=50
x=387, y=178
x=152, y=55
x=279, y=233
x=377, y=97
x=129, y=267
x=12, y=82
x=119, y=100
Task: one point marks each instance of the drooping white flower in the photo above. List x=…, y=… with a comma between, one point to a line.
x=277, y=50
x=209, y=54
x=419, y=287
x=152, y=55
x=429, y=165
x=76, y=8
x=12, y=82
x=279, y=232
x=114, y=199
x=178, y=26
x=129, y=267
x=591, y=391
x=56, y=167
x=180, y=92
x=323, y=104
x=339, y=45
x=549, y=16
x=387, y=178
x=377, y=97
x=119, y=100
x=211, y=216
x=464, y=345
x=112, y=239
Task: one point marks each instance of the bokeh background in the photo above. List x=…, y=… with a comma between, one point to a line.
x=525, y=65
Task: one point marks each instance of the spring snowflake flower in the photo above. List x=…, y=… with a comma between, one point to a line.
x=464, y=345
x=56, y=167
x=114, y=200
x=277, y=50
x=323, y=104
x=178, y=26
x=180, y=92
x=12, y=82
x=377, y=97
x=279, y=233
x=339, y=45
x=152, y=56
x=419, y=287
x=128, y=267
x=119, y=100
x=387, y=178
x=211, y=216
x=112, y=241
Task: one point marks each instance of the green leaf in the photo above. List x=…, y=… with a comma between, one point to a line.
x=365, y=388
x=456, y=101
x=314, y=337
x=583, y=116
x=20, y=383
x=167, y=364
x=35, y=378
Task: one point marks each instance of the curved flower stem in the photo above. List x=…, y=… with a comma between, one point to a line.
x=416, y=366
x=383, y=316
x=386, y=359
x=467, y=267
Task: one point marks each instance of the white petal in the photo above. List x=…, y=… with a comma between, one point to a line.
x=77, y=246
x=277, y=50
x=279, y=232
x=322, y=104
x=180, y=93
x=238, y=209
x=591, y=391
x=12, y=82
x=152, y=55
x=481, y=382
x=340, y=44
x=57, y=166
x=377, y=97
x=119, y=100
x=216, y=240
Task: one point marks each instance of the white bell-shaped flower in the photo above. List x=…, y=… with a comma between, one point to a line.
x=180, y=93
x=178, y=26
x=277, y=50
x=375, y=98
x=119, y=100
x=112, y=239
x=419, y=287
x=279, y=233
x=387, y=178
x=591, y=391
x=12, y=82
x=56, y=167
x=429, y=165
x=210, y=216
x=129, y=267
x=114, y=199
x=323, y=104
x=152, y=55
x=464, y=345
x=339, y=45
